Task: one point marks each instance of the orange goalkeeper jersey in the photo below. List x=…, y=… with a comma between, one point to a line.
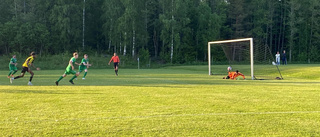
x=233, y=75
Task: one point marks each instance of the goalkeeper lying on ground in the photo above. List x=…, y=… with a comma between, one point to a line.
x=234, y=75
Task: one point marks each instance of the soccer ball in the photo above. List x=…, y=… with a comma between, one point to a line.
x=273, y=63
x=229, y=68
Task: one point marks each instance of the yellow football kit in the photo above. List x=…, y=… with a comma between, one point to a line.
x=28, y=61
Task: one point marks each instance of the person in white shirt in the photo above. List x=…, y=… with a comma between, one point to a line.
x=278, y=58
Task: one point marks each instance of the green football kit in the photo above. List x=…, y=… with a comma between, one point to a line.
x=13, y=69
x=69, y=67
x=12, y=66
x=82, y=66
x=69, y=71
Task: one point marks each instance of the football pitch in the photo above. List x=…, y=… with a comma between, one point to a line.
x=170, y=101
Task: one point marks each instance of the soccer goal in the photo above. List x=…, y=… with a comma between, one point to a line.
x=255, y=61
x=250, y=40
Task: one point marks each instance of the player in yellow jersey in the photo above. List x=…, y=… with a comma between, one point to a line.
x=26, y=67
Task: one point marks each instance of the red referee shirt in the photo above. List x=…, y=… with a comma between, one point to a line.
x=115, y=59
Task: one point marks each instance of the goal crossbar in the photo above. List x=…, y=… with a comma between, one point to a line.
x=229, y=41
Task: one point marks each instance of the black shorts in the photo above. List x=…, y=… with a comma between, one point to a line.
x=116, y=64
x=24, y=70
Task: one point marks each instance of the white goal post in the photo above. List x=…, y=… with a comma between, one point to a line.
x=229, y=41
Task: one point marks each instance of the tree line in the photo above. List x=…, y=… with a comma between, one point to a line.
x=170, y=31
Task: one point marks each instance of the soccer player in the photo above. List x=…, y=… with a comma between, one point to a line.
x=84, y=65
x=116, y=61
x=12, y=66
x=26, y=67
x=70, y=69
x=234, y=75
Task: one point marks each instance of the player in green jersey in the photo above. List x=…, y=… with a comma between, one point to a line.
x=12, y=66
x=84, y=65
x=70, y=69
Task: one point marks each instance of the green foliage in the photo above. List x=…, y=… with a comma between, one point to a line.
x=173, y=31
x=144, y=57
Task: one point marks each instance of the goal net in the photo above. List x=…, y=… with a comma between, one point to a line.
x=255, y=62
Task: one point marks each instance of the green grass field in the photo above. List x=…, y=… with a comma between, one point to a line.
x=172, y=101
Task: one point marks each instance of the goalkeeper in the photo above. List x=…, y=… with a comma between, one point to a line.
x=234, y=75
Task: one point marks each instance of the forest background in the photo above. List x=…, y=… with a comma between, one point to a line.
x=160, y=31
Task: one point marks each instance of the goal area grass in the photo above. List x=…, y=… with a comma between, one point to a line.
x=170, y=101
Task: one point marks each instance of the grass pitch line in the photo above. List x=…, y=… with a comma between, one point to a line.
x=161, y=116
x=214, y=114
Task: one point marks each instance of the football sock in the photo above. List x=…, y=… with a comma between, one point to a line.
x=60, y=78
x=10, y=73
x=14, y=72
x=17, y=77
x=85, y=74
x=73, y=77
x=116, y=72
x=30, y=78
